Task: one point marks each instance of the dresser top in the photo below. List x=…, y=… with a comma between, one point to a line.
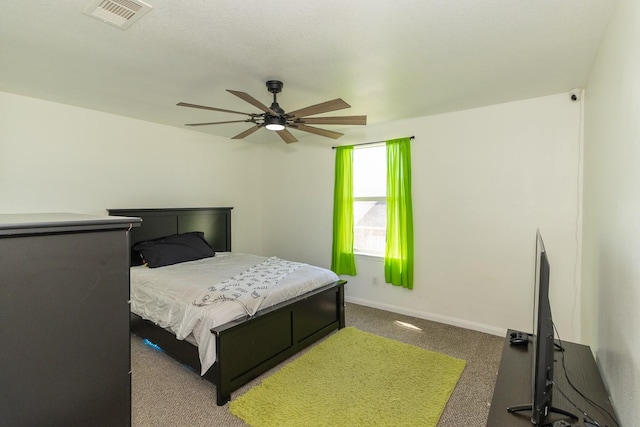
x=35, y=223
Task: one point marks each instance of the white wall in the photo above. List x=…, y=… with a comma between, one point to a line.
x=483, y=181
x=611, y=263
x=59, y=158
x=298, y=202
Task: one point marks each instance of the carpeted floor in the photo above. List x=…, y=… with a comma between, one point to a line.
x=166, y=393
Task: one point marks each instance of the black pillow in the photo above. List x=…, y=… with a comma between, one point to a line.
x=174, y=249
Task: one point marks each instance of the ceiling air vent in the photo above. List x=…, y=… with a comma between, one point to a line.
x=119, y=13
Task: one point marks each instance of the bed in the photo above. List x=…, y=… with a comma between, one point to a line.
x=249, y=345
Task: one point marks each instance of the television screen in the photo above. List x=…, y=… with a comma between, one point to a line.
x=543, y=344
x=542, y=338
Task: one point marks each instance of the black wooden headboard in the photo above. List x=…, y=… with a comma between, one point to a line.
x=214, y=222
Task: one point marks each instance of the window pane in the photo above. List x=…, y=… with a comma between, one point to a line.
x=370, y=172
x=370, y=220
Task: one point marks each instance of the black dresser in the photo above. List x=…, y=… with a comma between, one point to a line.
x=64, y=320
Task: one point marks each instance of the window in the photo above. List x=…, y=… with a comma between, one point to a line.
x=372, y=209
x=369, y=200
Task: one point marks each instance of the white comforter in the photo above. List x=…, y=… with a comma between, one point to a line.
x=165, y=295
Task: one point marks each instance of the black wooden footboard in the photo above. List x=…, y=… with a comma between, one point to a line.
x=248, y=347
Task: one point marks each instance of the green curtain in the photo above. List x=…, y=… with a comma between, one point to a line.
x=398, y=258
x=342, y=259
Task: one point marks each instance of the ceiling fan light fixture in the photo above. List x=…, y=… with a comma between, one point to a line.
x=274, y=123
x=275, y=119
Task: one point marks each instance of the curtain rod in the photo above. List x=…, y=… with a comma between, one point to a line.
x=369, y=143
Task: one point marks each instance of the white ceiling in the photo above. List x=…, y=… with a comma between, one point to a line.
x=388, y=59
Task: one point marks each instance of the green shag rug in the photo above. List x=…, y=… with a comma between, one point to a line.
x=354, y=378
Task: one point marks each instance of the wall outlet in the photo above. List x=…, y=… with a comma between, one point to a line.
x=374, y=281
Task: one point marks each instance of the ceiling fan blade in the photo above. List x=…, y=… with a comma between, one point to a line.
x=324, y=107
x=247, y=132
x=317, y=131
x=184, y=104
x=215, y=123
x=251, y=100
x=345, y=120
x=287, y=136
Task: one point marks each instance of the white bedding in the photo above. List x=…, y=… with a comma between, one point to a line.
x=165, y=295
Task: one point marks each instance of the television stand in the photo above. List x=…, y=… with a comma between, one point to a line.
x=520, y=408
x=513, y=385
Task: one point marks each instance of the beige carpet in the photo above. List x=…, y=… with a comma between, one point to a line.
x=166, y=393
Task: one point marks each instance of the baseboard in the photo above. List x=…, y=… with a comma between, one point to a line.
x=429, y=316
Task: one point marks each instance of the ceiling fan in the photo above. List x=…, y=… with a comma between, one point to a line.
x=274, y=118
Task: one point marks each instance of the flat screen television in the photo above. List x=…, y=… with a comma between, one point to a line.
x=543, y=344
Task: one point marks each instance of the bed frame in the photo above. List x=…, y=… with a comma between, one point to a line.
x=247, y=347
